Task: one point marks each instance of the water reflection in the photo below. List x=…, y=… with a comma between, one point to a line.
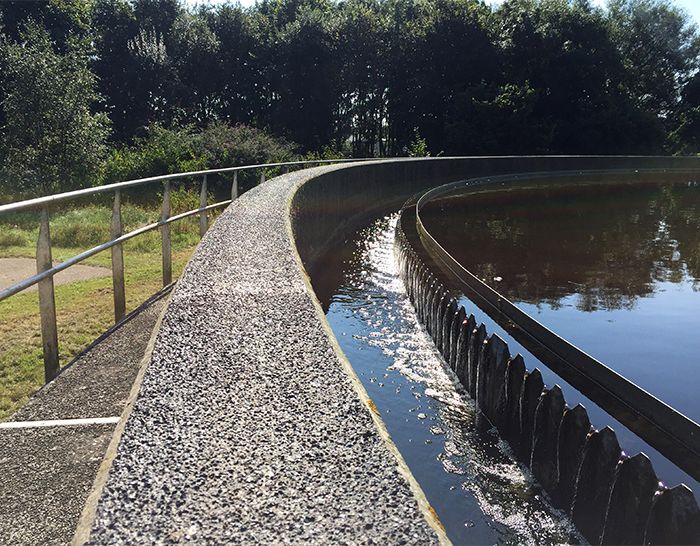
x=607, y=245
x=480, y=494
x=613, y=268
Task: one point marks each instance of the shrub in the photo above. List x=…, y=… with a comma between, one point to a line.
x=418, y=146
x=225, y=145
x=164, y=151
x=12, y=236
x=161, y=151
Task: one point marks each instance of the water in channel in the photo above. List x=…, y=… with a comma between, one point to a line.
x=614, y=268
x=479, y=493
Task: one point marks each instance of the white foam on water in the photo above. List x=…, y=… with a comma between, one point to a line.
x=504, y=489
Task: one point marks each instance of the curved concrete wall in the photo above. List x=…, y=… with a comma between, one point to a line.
x=328, y=205
x=249, y=425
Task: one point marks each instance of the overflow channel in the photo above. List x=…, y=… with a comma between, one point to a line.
x=611, y=496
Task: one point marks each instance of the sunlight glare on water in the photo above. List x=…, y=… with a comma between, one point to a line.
x=480, y=494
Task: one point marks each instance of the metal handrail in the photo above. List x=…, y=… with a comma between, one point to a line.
x=56, y=198
x=34, y=279
x=46, y=270
x=676, y=436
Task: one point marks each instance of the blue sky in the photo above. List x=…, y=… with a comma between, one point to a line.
x=691, y=6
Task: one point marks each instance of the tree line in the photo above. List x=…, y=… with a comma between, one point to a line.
x=86, y=81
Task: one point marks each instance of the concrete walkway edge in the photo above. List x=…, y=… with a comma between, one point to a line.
x=87, y=517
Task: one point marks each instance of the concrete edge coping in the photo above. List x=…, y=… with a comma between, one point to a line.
x=89, y=512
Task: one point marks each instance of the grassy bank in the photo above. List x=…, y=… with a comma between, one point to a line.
x=85, y=308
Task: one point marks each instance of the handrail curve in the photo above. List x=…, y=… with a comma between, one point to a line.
x=56, y=198
x=46, y=270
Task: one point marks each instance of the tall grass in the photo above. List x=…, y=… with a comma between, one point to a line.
x=88, y=225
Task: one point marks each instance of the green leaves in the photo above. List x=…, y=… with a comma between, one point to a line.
x=51, y=139
x=164, y=151
x=352, y=77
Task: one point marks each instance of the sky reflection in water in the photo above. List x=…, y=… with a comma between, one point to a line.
x=614, y=269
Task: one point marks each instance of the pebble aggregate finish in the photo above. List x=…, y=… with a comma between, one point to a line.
x=247, y=429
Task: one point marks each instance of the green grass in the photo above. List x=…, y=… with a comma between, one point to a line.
x=84, y=309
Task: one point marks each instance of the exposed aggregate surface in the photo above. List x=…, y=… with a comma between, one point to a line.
x=247, y=429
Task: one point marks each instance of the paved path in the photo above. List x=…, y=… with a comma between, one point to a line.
x=13, y=270
x=250, y=427
x=47, y=472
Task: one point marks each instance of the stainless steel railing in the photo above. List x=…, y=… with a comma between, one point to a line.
x=46, y=270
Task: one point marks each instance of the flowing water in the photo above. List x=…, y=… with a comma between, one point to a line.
x=480, y=494
x=612, y=268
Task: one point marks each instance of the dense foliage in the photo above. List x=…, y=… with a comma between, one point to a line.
x=187, y=149
x=359, y=77
x=51, y=139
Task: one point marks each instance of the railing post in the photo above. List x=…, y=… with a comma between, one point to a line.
x=262, y=176
x=203, y=220
x=47, y=301
x=234, y=186
x=165, y=236
x=118, y=260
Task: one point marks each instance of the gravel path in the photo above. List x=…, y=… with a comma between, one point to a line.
x=247, y=428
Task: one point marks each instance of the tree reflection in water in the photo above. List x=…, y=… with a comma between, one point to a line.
x=606, y=244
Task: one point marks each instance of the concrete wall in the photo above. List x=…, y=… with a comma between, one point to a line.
x=327, y=206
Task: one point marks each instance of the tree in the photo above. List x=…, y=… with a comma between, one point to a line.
x=361, y=112
x=303, y=72
x=195, y=57
x=123, y=98
x=659, y=47
x=51, y=140
x=408, y=72
x=136, y=73
x=464, y=62
x=65, y=20
x=238, y=79
x=564, y=58
x=528, y=76
x=686, y=136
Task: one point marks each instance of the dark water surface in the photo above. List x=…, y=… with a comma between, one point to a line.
x=479, y=493
x=614, y=269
